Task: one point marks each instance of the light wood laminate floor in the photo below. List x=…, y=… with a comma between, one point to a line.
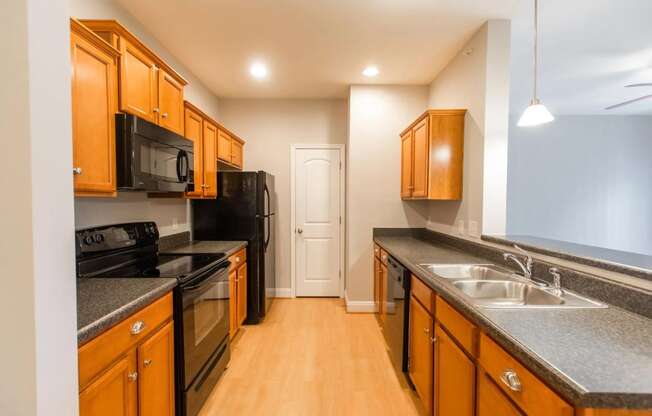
x=309, y=357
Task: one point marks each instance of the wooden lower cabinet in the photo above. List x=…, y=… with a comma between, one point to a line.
x=454, y=377
x=491, y=401
x=129, y=369
x=421, y=357
x=237, y=291
x=114, y=393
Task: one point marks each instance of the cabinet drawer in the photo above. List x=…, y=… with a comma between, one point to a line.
x=383, y=256
x=423, y=294
x=97, y=354
x=459, y=327
x=377, y=250
x=238, y=259
x=525, y=389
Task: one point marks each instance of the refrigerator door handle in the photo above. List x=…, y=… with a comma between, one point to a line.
x=267, y=218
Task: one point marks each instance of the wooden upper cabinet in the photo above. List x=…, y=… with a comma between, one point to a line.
x=421, y=356
x=148, y=87
x=224, y=146
x=94, y=80
x=210, y=160
x=170, y=98
x=138, y=83
x=156, y=374
x=236, y=153
x=432, y=155
x=193, y=131
x=114, y=393
x=407, y=150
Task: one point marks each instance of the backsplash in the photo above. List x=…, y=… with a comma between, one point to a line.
x=623, y=296
x=171, y=215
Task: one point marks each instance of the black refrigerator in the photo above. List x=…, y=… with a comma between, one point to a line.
x=244, y=209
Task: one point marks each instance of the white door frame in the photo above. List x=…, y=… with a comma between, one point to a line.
x=293, y=154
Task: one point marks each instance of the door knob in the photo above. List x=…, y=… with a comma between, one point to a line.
x=299, y=230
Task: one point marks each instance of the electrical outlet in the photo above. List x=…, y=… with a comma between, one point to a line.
x=175, y=223
x=473, y=229
x=460, y=227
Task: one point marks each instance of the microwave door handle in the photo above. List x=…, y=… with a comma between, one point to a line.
x=179, y=157
x=186, y=174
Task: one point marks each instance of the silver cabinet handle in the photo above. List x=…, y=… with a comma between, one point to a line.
x=76, y=171
x=132, y=376
x=511, y=380
x=147, y=363
x=137, y=327
x=156, y=109
x=164, y=115
x=434, y=340
x=300, y=230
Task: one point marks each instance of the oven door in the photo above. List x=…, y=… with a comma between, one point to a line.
x=161, y=167
x=205, y=318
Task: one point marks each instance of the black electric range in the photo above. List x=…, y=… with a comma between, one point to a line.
x=201, y=299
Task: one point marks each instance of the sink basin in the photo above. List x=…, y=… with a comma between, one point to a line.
x=468, y=271
x=515, y=294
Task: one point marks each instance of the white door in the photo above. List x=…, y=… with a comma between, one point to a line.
x=317, y=219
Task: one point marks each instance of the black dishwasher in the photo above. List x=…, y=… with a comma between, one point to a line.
x=396, y=310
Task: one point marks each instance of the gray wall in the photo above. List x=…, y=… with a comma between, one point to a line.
x=584, y=179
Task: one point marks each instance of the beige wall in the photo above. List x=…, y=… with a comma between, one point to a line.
x=377, y=115
x=269, y=128
x=477, y=79
x=38, y=353
x=136, y=206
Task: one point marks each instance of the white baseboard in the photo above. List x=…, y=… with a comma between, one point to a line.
x=359, y=306
x=283, y=292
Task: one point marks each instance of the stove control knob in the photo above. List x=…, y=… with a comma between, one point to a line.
x=99, y=238
x=88, y=240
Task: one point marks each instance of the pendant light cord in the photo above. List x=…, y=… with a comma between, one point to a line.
x=536, y=46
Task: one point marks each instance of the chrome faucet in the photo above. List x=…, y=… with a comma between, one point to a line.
x=526, y=266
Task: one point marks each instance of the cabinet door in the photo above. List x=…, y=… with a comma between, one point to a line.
x=420, y=156
x=138, y=83
x=407, y=158
x=156, y=374
x=170, y=100
x=223, y=146
x=210, y=160
x=376, y=285
x=454, y=378
x=236, y=153
x=233, y=307
x=93, y=118
x=492, y=401
x=193, y=132
x=421, y=353
x=242, y=293
x=114, y=393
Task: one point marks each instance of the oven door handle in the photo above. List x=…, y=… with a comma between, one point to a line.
x=198, y=284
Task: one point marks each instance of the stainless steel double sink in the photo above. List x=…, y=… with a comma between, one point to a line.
x=490, y=286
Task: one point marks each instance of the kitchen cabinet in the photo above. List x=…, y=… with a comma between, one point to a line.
x=148, y=87
x=129, y=369
x=491, y=401
x=432, y=153
x=230, y=149
x=209, y=160
x=421, y=356
x=454, y=377
x=203, y=131
x=237, y=291
x=94, y=104
x=194, y=131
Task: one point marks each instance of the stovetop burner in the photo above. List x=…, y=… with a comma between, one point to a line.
x=165, y=265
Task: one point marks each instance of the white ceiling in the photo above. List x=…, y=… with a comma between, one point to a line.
x=589, y=50
x=314, y=48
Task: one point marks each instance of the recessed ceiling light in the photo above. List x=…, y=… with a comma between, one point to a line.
x=258, y=70
x=370, y=71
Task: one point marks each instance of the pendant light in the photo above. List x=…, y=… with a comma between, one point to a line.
x=536, y=113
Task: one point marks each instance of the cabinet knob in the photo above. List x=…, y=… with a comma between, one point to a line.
x=156, y=109
x=426, y=330
x=137, y=327
x=511, y=380
x=164, y=115
x=147, y=363
x=132, y=376
x=76, y=171
x=434, y=340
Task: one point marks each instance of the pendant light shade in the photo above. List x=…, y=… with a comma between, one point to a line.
x=536, y=113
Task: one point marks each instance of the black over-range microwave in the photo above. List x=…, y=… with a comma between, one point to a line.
x=151, y=158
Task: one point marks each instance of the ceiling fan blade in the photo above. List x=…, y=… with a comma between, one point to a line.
x=644, y=84
x=645, y=97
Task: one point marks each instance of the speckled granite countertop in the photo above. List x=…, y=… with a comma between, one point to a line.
x=599, y=358
x=208, y=247
x=103, y=302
